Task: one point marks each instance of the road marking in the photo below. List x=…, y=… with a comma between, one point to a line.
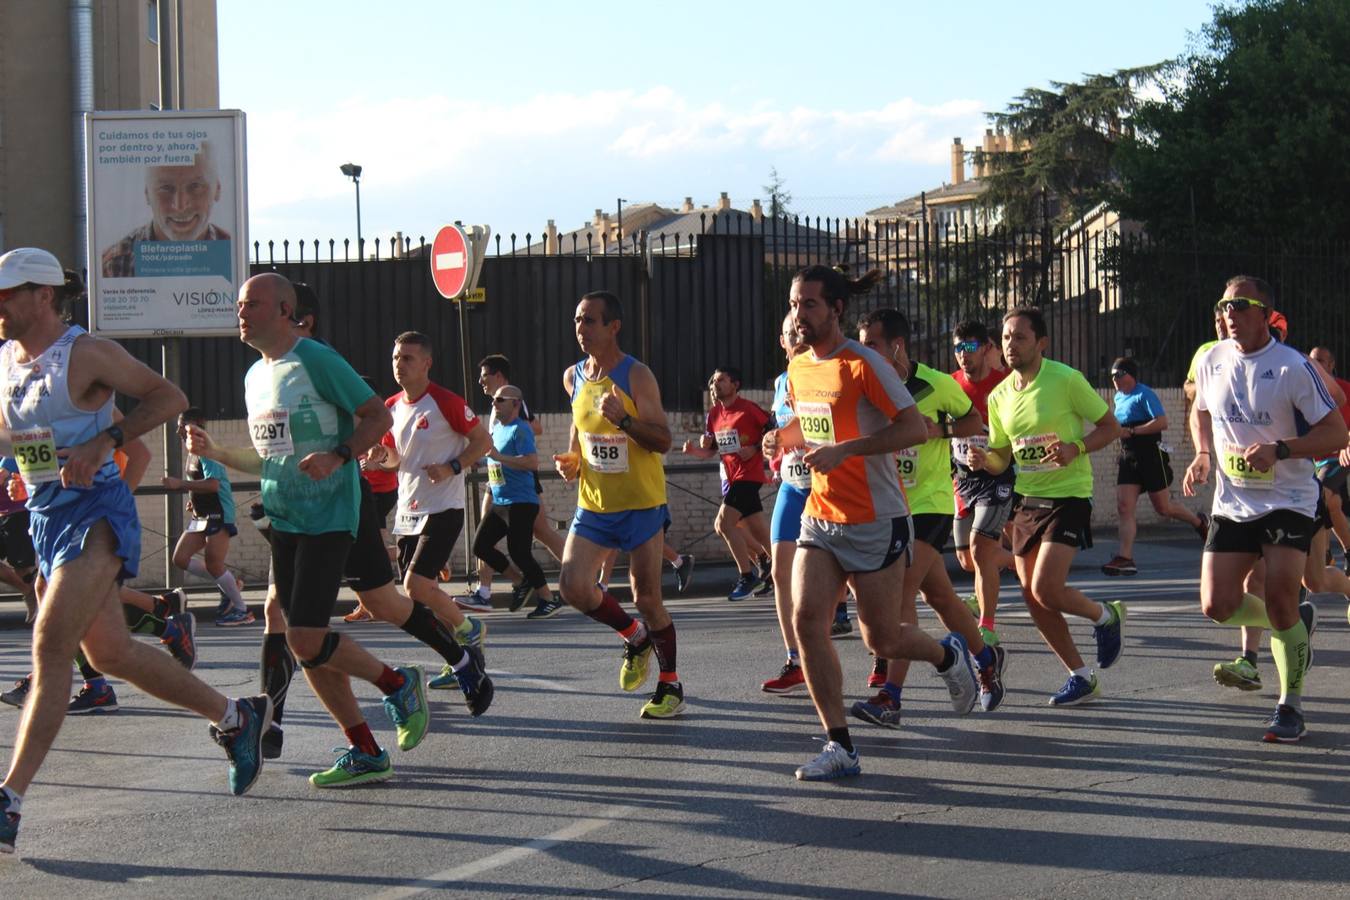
x=447, y=877
x=541, y=683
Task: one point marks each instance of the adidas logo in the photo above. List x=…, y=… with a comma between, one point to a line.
x=1268, y=375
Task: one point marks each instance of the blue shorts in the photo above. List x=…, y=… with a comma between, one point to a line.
x=625, y=530
x=59, y=533
x=787, y=514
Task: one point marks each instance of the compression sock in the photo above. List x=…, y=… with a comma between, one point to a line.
x=275, y=671
x=1251, y=611
x=423, y=625
x=840, y=737
x=228, y=586
x=389, y=682
x=362, y=739
x=93, y=677
x=663, y=642
x=1290, y=649
x=610, y=613
x=142, y=622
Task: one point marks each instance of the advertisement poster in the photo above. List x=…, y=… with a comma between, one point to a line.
x=168, y=216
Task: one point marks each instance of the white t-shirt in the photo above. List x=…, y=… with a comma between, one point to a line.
x=430, y=430
x=1262, y=397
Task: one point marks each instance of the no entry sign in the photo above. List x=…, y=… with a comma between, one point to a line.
x=451, y=261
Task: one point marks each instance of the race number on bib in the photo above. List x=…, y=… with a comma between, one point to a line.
x=409, y=522
x=496, y=477
x=961, y=446
x=817, y=423
x=35, y=452
x=1029, y=452
x=728, y=441
x=1243, y=474
x=795, y=470
x=607, y=453
x=197, y=526
x=270, y=431
x=907, y=461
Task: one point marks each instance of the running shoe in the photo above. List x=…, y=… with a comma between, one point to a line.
x=183, y=645
x=1077, y=690
x=765, y=575
x=475, y=683
x=989, y=636
x=93, y=700
x=789, y=680
x=352, y=768
x=991, y=679
x=684, y=573
x=243, y=745
x=1308, y=613
x=1239, y=674
x=176, y=601
x=666, y=703
x=446, y=679
x=883, y=710
x=842, y=626
x=878, y=676
x=1203, y=528
x=636, y=661
x=16, y=695
x=407, y=708
x=519, y=594
x=832, y=762
x=972, y=603
x=474, y=635
x=360, y=614
x=235, y=617
x=744, y=586
x=1119, y=565
x=960, y=676
x=1109, y=636
x=9, y=825
x=474, y=602
x=546, y=609
x=272, y=740
x=1286, y=726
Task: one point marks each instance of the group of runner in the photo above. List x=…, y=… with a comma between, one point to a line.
x=881, y=458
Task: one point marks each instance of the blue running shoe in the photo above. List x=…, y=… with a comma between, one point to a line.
x=744, y=587
x=991, y=679
x=447, y=679
x=9, y=825
x=407, y=708
x=1077, y=690
x=960, y=676
x=235, y=617
x=93, y=701
x=883, y=710
x=1109, y=636
x=832, y=762
x=1286, y=726
x=243, y=745
x=473, y=634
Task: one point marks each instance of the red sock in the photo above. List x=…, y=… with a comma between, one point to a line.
x=987, y=622
x=389, y=681
x=361, y=738
x=610, y=613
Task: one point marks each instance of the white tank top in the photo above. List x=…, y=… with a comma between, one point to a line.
x=36, y=398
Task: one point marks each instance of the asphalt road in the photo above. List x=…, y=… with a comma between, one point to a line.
x=1162, y=788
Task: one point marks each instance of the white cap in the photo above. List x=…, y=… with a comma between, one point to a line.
x=30, y=265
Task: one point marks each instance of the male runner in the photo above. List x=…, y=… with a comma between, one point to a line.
x=853, y=414
x=925, y=473
x=1261, y=415
x=301, y=398
x=733, y=430
x=619, y=432
x=1332, y=471
x=1036, y=417
x=58, y=387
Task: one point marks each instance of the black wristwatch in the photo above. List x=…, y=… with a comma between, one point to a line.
x=625, y=422
x=343, y=453
x=116, y=434
x=1281, y=450
x=455, y=466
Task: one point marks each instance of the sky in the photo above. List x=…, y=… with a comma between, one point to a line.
x=512, y=113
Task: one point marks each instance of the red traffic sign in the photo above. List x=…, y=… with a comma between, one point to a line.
x=451, y=261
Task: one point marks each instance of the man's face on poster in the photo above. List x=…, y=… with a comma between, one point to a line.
x=181, y=198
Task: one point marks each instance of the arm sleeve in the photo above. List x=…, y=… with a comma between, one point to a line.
x=453, y=407
x=335, y=379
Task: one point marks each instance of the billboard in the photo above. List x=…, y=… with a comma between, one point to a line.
x=168, y=222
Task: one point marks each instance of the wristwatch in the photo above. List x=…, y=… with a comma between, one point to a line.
x=625, y=422
x=1281, y=450
x=343, y=452
x=115, y=433
x=455, y=466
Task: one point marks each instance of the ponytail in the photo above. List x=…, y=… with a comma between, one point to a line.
x=835, y=283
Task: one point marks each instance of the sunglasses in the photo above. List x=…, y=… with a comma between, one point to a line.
x=1117, y=373
x=503, y=399
x=967, y=346
x=1237, y=304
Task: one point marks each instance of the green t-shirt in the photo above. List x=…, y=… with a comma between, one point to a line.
x=1200, y=351
x=1052, y=408
x=926, y=470
x=299, y=404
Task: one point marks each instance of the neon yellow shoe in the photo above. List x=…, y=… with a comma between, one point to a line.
x=636, y=662
x=972, y=603
x=666, y=703
x=352, y=768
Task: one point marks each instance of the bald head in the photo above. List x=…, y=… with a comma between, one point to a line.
x=265, y=307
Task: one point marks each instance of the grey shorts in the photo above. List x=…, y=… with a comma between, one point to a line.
x=864, y=548
x=985, y=519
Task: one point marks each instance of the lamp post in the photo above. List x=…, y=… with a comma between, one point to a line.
x=620, y=226
x=353, y=171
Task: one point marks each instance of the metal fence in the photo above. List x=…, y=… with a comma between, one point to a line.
x=714, y=294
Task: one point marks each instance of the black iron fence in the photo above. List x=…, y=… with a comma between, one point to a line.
x=715, y=294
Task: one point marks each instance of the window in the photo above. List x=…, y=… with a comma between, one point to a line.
x=152, y=22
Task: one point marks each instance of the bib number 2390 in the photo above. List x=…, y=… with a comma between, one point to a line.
x=817, y=423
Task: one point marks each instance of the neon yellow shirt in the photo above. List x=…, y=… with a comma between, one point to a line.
x=617, y=474
x=1199, y=352
x=925, y=470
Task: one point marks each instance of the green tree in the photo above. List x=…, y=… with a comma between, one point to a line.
x=779, y=198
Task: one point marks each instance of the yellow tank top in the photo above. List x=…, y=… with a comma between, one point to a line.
x=617, y=474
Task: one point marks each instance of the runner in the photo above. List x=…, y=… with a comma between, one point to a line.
x=732, y=431
x=1144, y=464
x=1036, y=417
x=925, y=473
x=853, y=414
x=59, y=384
x=1332, y=470
x=16, y=546
x=1263, y=411
x=619, y=432
x=301, y=398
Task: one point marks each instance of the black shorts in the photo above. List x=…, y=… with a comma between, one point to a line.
x=1281, y=528
x=538, y=485
x=427, y=553
x=1059, y=520
x=1323, y=516
x=1147, y=465
x=384, y=505
x=933, y=529
x=16, y=544
x=368, y=566
x=743, y=496
x=308, y=572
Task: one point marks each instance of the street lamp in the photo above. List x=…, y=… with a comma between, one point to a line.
x=621, y=202
x=353, y=171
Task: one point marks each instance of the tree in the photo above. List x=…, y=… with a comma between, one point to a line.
x=779, y=198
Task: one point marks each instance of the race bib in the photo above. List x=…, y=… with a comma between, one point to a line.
x=270, y=431
x=35, y=452
x=817, y=423
x=907, y=461
x=496, y=477
x=961, y=446
x=196, y=526
x=1029, y=452
x=1243, y=474
x=607, y=453
x=795, y=471
x=409, y=522
x=728, y=441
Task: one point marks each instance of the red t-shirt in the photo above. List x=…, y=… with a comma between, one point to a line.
x=978, y=391
x=381, y=481
x=1345, y=407
x=740, y=425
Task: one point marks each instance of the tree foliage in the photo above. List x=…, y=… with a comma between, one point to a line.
x=779, y=197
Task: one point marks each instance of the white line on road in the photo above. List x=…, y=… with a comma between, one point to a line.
x=540, y=683
x=444, y=878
